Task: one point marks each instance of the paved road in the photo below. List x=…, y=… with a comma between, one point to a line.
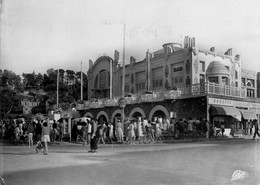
x=208, y=162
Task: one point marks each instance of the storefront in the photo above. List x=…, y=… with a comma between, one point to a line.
x=231, y=111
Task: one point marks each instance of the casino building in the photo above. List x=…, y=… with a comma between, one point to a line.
x=174, y=81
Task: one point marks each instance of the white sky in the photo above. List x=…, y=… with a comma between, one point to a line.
x=40, y=34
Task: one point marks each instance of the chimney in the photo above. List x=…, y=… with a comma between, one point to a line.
x=237, y=57
x=193, y=42
x=116, y=56
x=132, y=60
x=212, y=49
x=186, y=42
x=229, y=52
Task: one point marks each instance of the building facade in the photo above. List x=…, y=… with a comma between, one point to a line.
x=174, y=81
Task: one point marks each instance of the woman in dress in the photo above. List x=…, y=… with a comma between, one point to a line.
x=120, y=131
x=140, y=131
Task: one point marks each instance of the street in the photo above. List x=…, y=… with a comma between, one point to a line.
x=232, y=161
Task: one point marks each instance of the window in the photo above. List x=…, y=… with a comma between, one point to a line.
x=202, y=66
x=157, y=77
x=225, y=80
x=236, y=84
x=243, y=82
x=103, y=79
x=250, y=83
x=177, y=69
x=213, y=79
x=250, y=93
x=202, y=78
x=140, y=86
x=127, y=89
x=140, y=79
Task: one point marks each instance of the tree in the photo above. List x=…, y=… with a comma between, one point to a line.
x=10, y=88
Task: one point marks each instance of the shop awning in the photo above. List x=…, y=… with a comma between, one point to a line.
x=248, y=114
x=225, y=111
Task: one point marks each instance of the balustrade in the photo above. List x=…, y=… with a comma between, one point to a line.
x=155, y=96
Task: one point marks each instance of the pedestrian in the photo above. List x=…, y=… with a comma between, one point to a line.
x=181, y=128
x=89, y=131
x=38, y=131
x=110, y=132
x=131, y=132
x=120, y=134
x=61, y=131
x=255, y=123
x=101, y=133
x=222, y=127
x=207, y=126
x=30, y=134
x=94, y=137
x=45, y=137
x=55, y=130
x=232, y=129
x=140, y=131
x=84, y=132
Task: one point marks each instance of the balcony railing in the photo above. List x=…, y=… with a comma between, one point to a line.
x=155, y=96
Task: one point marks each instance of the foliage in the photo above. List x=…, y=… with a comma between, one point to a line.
x=13, y=89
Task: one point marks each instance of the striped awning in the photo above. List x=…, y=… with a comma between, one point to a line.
x=225, y=111
x=248, y=114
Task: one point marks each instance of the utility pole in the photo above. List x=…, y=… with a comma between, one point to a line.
x=123, y=78
x=81, y=89
x=58, y=74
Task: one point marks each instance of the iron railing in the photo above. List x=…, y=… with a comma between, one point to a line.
x=155, y=96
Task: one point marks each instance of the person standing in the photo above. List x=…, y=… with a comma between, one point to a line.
x=255, y=123
x=207, y=128
x=30, y=134
x=119, y=131
x=222, y=127
x=140, y=131
x=94, y=137
x=131, y=133
x=45, y=137
x=110, y=132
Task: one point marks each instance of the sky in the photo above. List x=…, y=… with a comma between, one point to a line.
x=37, y=35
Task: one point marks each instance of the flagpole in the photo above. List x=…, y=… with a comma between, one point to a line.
x=123, y=79
x=81, y=83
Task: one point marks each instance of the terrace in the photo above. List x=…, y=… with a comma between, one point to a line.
x=194, y=90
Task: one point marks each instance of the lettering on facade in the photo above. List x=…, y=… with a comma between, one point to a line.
x=220, y=101
x=240, y=104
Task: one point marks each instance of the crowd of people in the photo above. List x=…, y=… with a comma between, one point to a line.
x=27, y=132
x=92, y=132
x=134, y=131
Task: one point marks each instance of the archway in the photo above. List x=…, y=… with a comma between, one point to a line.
x=102, y=116
x=137, y=112
x=160, y=111
x=117, y=113
x=88, y=114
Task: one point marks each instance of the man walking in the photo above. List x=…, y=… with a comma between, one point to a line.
x=94, y=137
x=255, y=123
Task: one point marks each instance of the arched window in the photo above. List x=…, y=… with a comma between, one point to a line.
x=96, y=82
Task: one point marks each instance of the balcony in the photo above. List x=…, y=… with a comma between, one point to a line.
x=156, y=96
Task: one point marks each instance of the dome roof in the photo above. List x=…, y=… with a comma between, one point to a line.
x=217, y=68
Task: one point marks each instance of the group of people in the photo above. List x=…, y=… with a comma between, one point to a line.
x=134, y=130
x=32, y=132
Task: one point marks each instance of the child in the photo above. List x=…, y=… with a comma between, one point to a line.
x=38, y=146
